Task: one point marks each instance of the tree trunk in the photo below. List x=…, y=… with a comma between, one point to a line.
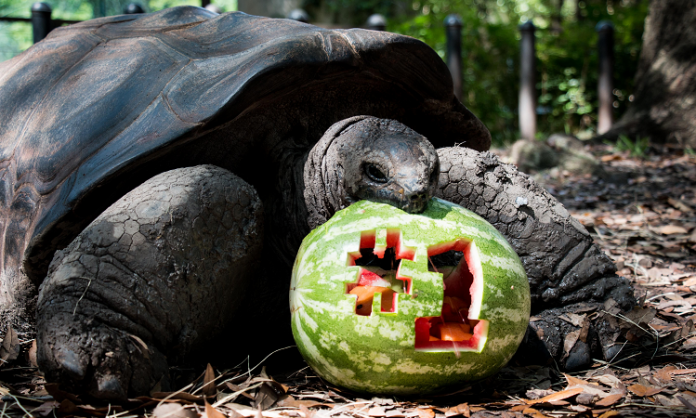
x=557, y=18
x=665, y=92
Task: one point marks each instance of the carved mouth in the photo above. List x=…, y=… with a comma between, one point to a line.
x=457, y=328
x=381, y=282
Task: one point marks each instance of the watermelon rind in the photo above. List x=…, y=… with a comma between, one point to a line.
x=376, y=354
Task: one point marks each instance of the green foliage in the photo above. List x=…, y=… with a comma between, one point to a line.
x=348, y=12
x=637, y=148
x=16, y=37
x=567, y=65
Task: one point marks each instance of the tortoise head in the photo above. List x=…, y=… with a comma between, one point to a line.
x=366, y=158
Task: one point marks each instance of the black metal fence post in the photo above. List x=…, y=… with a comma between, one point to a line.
x=453, y=25
x=605, y=85
x=40, y=20
x=133, y=9
x=376, y=22
x=527, y=101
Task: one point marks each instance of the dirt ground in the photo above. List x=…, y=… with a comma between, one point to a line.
x=641, y=211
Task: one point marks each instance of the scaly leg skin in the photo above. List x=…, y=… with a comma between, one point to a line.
x=563, y=264
x=154, y=277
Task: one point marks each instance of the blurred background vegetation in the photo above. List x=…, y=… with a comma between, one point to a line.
x=566, y=45
x=16, y=37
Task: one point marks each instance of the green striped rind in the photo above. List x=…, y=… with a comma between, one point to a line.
x=376, y=354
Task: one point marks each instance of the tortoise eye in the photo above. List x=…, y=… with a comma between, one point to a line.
x=375, y=174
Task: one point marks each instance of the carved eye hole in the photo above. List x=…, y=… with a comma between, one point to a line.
x=375, y=174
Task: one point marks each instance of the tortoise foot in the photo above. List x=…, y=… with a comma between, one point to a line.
x=90, y=357
x=155, y=277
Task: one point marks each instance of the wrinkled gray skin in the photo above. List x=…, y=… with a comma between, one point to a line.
x=562, y=263
x=184, y=259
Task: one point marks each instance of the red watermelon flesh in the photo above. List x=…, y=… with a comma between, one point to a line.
x=453, y=329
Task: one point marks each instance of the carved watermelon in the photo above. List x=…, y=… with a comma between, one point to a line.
x=375, y=310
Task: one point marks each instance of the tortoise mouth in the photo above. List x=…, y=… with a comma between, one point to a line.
x=415, y=203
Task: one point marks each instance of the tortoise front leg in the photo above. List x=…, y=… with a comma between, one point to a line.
x=155, y=276
x=563, y=264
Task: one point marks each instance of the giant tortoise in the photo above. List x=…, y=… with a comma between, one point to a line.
x=159, y=172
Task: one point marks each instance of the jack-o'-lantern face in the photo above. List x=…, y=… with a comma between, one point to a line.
x=388, y=302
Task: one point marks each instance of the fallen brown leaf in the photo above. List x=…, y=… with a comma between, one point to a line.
x=266, y=397
x=591, y=391
x=665, y=374
x=533, y=413
x=558, y=396
x=235, y=388
x=232, y=412
x=173, y=410
x=573, y=318
x=611, y=157
x=463, y=408
x=574, y=381
x=610, y=400
x=672, y=229
x=611, y=381
x=211, y=412
x=46, y=408
x=425, y=413
x=376, y=411
x=570, y=340
x=688, y=404
x=684, y=371
x=539, y=393
x=678, y=204
x=209, y=388
x=290, y=402
x=666, y=400
x=643, y=391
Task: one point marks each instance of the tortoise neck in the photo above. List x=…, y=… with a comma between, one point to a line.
x=324, y=191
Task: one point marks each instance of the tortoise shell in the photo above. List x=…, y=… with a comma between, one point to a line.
x=99, y=107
